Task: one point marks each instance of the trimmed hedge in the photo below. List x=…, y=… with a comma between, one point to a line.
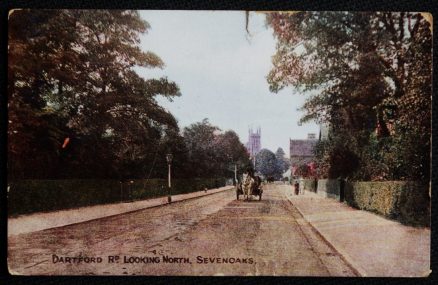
x=407, y=202
x=29, y=196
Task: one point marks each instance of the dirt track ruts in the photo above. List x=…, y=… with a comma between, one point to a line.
x=211, y=235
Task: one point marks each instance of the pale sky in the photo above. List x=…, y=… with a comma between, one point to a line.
x=221, y=72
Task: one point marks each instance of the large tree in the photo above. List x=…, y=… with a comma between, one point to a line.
x=282, y=161
x=366, y=70
x=233, y=155
x=73, y=71
x=212, y=153
x=200, y=142
x=267, y=164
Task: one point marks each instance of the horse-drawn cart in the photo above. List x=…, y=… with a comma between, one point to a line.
x=255, y=189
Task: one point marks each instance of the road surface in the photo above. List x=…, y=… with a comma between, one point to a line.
x=211, y=235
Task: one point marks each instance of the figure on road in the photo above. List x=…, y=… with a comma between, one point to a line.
x=297, y=187
x=248, y=183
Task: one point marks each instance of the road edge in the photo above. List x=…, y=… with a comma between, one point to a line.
x=129, y=211
x=344, y=256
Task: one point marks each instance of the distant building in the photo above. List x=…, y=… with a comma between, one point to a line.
x=301, y=152
x=253, y=145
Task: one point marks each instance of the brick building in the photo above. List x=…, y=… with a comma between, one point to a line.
x=301, y=152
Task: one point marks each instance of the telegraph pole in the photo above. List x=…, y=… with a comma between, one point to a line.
x=169, y=162
x=235, y=173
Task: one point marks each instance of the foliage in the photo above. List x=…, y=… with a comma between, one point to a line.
x=407, y=202
x=200, y=140
x=367, y=157
x=336, y=157
x=303, y=170
x=282, y=162
x=71, y=75
x=267, y=164
x=29, y=196
x=213, y=153
x=368, y=70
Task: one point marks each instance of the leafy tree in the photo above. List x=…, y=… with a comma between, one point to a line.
x=200, y=142
x=282, y=161
x=337, y=157
x=172, y=143
x=267, y=164
x=212, y=153
x=233, y=153
x=369, y=69
x=73, y=70
x=27, y=116
x=302, y=170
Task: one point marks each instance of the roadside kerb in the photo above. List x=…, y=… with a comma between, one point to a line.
x=42, y=221
x=344, y=256
x=374, y=245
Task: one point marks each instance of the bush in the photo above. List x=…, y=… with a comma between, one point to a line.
x=29, y=196
x=337, y=156
x=407, y=202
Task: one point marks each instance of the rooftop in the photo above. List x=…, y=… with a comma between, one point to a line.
x=302, y=147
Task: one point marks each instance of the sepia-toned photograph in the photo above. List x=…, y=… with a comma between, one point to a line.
x=219, y=143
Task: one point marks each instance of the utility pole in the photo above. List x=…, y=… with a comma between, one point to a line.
x=235, y=173
x=169, y=162
x=169, y=176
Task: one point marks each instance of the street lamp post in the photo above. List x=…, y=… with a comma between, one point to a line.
x=169, y=162
x=235, y=174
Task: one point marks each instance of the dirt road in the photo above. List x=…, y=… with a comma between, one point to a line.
x=212, y=235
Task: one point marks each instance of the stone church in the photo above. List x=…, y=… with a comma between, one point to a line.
x=253, y=145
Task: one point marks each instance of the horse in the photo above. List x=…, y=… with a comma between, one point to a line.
x=247, y=186
x=250, y=185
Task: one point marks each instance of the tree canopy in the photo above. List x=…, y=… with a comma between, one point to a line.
x=367, y=71
x=71, y=75
x=212, y=152
x=268, y=165
x=282, y=161
x=79, y=109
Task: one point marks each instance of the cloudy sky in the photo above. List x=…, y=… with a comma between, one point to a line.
x=221, y=72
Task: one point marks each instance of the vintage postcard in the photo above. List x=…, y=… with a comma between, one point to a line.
x=219, y=143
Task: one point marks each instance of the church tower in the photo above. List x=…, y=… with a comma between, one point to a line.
x=254, y=145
